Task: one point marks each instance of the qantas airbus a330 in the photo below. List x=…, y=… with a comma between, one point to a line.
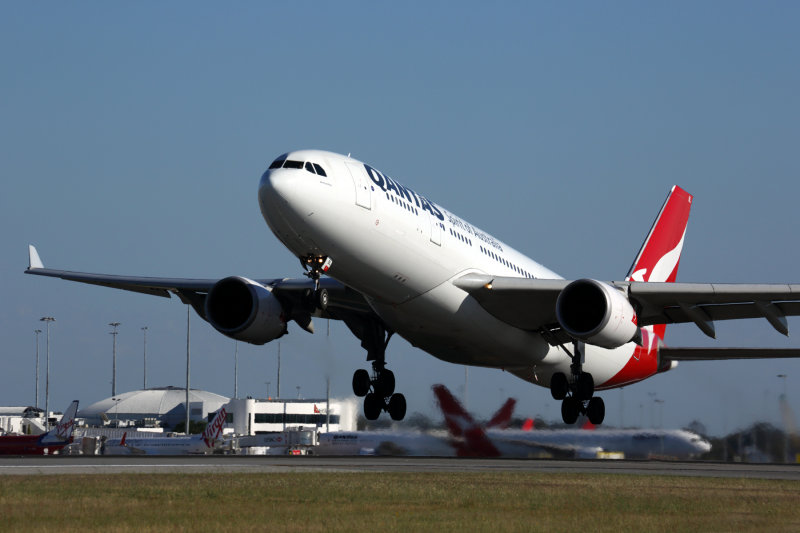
x=385, y=259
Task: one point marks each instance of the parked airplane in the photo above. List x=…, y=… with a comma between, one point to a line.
x=472, y=440
x=412, y=443
x=399, y=263
x=194, y=444
x=46, y=443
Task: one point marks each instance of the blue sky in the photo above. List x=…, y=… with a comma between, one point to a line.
x=133, y=137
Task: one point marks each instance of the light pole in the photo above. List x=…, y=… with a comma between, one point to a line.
x=785, y=426
x=268, y=384
x=144, y=381
x=47, y=320
x=236, y=369
x=114, y=359
x=298, y=392
x=37, y=331
x=188, y=363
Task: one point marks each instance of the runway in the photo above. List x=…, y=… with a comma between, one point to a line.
x=55, y=465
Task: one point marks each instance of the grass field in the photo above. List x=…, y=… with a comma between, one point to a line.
x=395, y=502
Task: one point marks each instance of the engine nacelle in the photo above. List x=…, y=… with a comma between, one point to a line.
x=596, y=313
x=245, y=310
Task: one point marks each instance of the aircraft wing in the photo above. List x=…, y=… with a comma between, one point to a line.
x=530, y=304
x=192, y=291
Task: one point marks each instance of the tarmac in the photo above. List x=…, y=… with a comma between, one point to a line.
x=60, y=465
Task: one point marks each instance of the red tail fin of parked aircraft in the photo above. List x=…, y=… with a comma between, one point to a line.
x=469, y=438
x=528, y=425
x=502, y=417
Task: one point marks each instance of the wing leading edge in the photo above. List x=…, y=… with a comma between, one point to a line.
x=193, y=291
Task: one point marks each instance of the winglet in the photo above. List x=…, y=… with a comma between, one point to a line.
x=34, y=261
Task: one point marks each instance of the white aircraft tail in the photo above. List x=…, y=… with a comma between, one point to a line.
x=213, y=430
x=63, y=430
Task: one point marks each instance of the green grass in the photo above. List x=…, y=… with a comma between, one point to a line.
x=395, y=502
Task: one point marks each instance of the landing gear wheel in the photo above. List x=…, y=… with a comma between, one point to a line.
x=596, y=411
x=570, y=409
x=559, y=386
x=584, y=386
x=384, y=384
x=322, y=299
x=373, y=405
x=361, y=382
x=397, y=407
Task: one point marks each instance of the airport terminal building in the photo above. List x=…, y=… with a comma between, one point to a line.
x=250, y=416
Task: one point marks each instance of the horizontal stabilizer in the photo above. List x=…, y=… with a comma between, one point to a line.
x=719, y=354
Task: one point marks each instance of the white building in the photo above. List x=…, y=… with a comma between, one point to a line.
x=249, y=416
x=166, y=405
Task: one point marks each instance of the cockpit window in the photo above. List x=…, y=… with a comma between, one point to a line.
x=320, y=170
x=293, y=164
x=310, y=168
x=278, y=163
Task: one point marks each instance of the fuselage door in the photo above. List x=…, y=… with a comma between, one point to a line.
x=436, y=230
x=361, y=182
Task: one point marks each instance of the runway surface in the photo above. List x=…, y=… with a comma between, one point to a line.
x=54, y=465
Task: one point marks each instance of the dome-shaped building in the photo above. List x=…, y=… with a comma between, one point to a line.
x=167, y=405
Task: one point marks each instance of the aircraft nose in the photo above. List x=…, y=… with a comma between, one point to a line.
x=277, y=187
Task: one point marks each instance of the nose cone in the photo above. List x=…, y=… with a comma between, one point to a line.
x=277, y=191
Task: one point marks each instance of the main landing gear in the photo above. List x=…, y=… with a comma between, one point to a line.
x=376, y=389
x=382, y=396
x=578, y=393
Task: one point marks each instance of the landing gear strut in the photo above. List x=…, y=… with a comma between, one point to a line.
x=577, y=393
x=376, y=389
x=316, y=266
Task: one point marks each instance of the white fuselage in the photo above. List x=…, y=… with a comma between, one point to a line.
x=402, y=252
x=634, y=443
x=161, y=446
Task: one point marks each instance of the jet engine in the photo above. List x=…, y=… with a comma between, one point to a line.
x=245, y=310
x=596, y=313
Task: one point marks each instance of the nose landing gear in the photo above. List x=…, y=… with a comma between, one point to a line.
x=316, y=266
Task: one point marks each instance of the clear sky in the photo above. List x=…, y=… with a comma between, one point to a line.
x=133, y=135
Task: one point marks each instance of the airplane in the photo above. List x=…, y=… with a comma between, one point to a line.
x=385, y=259
x=46, y=443
x=406, y=443
x=204, y=443
x=472, y=440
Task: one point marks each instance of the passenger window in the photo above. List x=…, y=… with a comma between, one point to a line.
x=310, y=168
x=320, y=170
